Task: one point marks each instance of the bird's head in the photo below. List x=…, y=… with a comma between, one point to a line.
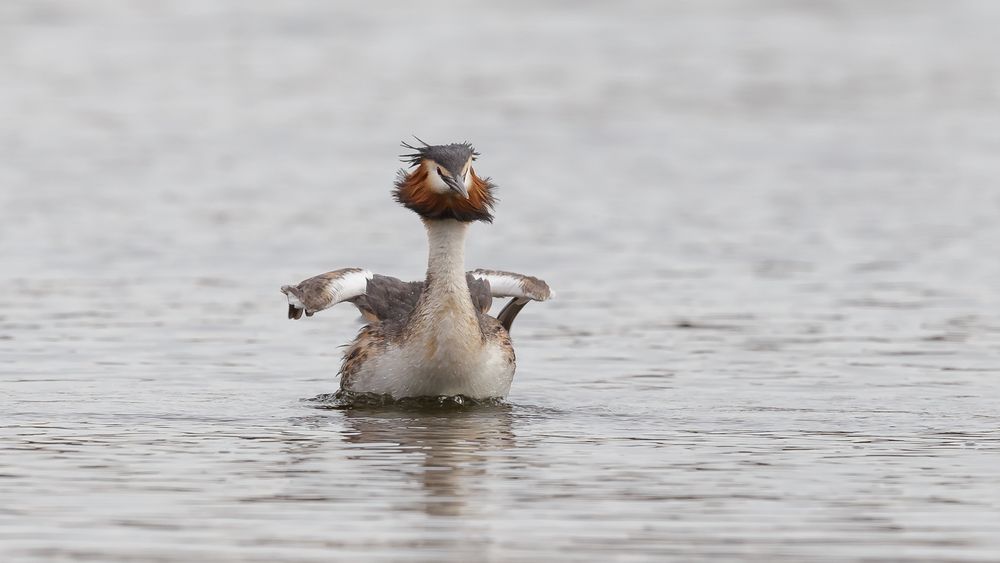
x=441, y=183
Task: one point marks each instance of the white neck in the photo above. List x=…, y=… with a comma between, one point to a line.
x=445, y=312
x=446, y=258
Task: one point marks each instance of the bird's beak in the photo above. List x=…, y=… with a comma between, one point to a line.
x=458, y=186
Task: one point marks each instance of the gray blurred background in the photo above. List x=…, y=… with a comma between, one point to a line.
x=218, y=137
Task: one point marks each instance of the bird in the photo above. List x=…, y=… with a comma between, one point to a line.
x=434, y=337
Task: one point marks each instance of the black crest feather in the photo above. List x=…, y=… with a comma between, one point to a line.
x=452, y=156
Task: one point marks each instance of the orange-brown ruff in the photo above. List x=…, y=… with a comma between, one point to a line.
x=433, y=337
x=412, y=192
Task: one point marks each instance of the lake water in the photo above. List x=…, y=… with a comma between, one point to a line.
x=772, y=226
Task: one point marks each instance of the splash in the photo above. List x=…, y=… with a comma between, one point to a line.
x=350, y=400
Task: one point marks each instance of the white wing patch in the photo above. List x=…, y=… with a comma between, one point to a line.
x=325, y=290
x=347, y=286
x=502, y=285
x=293, y=300
x=509, y=284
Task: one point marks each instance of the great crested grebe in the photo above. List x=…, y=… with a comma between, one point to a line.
x=432, y=337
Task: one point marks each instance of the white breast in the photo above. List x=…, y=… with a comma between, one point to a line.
x=445, y=361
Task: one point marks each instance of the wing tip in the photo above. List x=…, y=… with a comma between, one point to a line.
x=536, y=289
x=295, y=306
x=325, y=290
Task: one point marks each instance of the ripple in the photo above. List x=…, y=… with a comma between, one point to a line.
x=351, y=400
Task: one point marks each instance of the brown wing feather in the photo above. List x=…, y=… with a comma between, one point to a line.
x=482, y=297
x=510, y=311
x=388, y=298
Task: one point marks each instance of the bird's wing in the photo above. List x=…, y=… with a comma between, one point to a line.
x=479, y=290
x=325, y=290
x=508, y=284
x=388, y=298
x=381, y=298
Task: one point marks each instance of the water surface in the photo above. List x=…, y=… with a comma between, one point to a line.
x=771, y=225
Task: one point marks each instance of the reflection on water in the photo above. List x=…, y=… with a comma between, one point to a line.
x=452, y=451
x=771, y=225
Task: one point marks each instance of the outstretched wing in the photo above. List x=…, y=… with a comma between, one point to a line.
x=508, y=284
x=382, y=298
x=378, y=297
x=325, y=290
